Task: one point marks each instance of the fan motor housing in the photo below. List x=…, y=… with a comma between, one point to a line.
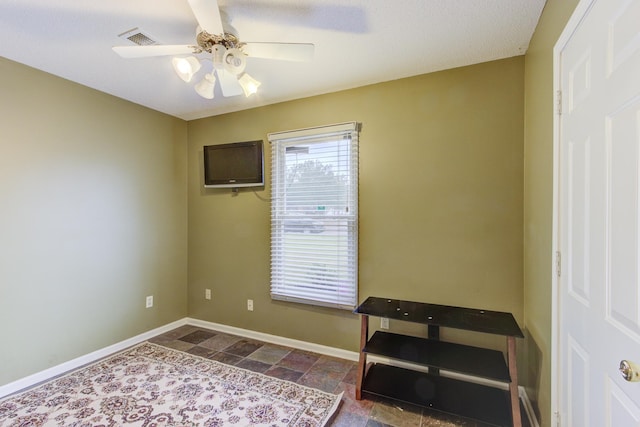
x=206, y=41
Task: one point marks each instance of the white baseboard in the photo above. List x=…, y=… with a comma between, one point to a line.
x=76, y=363
x=62, y=368
x=528, y=407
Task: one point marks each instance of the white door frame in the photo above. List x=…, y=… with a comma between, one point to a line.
x=556, y=385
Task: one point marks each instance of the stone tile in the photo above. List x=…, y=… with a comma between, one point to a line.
x=396, y=414
x=177, y=333
x=178, y=345
x=298, y=360
x=220, y=342
x=352, y=376
x=201, y=351
x=229, y=359
x=436, y=419
x=269, y=354
x=374, y=423
x=253, y=365
x=284, y=373
x=243, y=348
x=347, y=419
x=319, y=381
x=350, y=404
x=329, y=363
x=161, y=339
x=331, y=367
x=196, y=337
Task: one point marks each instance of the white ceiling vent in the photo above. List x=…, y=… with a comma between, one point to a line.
x=138, y=37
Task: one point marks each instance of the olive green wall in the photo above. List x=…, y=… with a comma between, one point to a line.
x=93, y=218
x=440, y=209
x=538, y=202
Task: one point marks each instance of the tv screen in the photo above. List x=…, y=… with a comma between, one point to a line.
x=239, y=164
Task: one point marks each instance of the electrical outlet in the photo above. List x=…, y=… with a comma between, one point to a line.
x=207, y=294
x=384, y=323
x=250, y=304
x=149, y=301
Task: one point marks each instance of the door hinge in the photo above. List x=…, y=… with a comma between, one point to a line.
x=558, y=424
x=559, y=102
x=558, y=263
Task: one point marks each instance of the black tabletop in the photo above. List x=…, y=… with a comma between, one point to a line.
x=491, y=322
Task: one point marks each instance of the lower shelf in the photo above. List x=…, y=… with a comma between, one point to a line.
x=464, y=359
x=478, y=402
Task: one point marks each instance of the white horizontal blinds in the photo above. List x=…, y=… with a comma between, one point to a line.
x=314, y=216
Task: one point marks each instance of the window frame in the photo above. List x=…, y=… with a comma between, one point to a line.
x=338, y=282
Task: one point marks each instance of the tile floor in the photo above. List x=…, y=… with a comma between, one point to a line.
x=314, y=370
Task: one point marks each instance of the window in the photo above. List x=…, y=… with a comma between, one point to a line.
x=314, y=216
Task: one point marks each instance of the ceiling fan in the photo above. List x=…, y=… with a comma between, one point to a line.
x=224, y=49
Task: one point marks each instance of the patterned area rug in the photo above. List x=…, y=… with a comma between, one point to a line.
x=150, y=386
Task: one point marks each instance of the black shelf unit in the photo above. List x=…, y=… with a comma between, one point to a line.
x=484, y=403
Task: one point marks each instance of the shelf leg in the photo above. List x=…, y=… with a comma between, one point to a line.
x=513, y=386
x=434, y=334
x=362, y=363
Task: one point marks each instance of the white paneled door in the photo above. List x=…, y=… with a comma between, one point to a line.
x=598, y=222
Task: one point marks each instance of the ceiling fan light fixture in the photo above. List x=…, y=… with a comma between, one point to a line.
x=228, y=53
x=205, y=87
x=249, y=84
x=218, y=51
x=185, y=68
x=234, y=61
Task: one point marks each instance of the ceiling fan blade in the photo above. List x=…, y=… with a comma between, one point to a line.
x=153, y=50
x=302, y=52
x=229, y=83
x=208, y=15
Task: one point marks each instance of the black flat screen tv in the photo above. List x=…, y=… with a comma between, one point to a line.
x=239, y=164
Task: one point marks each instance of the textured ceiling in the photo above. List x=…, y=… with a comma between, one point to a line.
x=357, y=42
